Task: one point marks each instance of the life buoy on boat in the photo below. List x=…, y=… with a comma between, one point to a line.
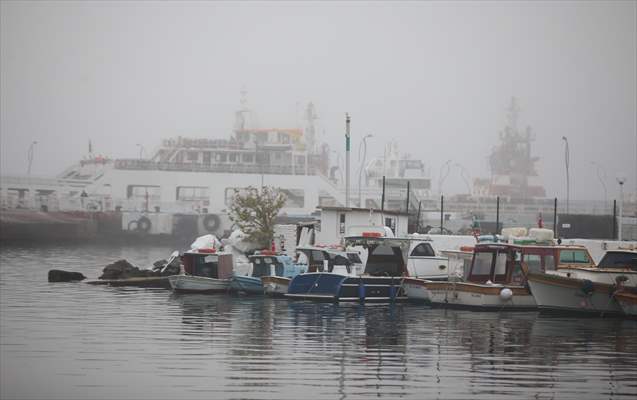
x=211, y=222
x=144, y=224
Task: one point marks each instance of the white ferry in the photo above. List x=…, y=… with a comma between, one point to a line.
x=199, y=177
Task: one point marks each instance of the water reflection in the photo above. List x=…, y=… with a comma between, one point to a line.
x=144, y=343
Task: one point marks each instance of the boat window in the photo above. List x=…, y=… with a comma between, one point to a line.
x=278, y=270
x=259, y=270
x=317, y=255
x=192, y=193
x=574, y=257
x=619, y=260
x=534, y=262
x=383, y=250
x=549, y=263
x=268, y=260
x=142, y=192
x=423, y=250
x=205, y=267
x=482, y=263
x=354, y=258
x=256, y=261
x=500, y=264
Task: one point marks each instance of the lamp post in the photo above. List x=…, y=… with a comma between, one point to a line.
x=566, y=157
x=621, y=181
x=363, y=145
x=30, y=156
x=440, y=177
x=599, y=176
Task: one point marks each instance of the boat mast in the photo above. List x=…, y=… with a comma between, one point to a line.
x=347, y=143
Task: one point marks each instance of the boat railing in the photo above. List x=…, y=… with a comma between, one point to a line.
x=134, y=164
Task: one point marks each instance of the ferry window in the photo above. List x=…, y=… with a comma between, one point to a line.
x=192, y=193
x=574, y=257
x=423, y=250
x=482, y=263
x=500, y=264
x=549, y=263
x=207, y=157
x=193, y=156
x=142, y=192
x=534, y=262
x=233, y=157
x=248, y=158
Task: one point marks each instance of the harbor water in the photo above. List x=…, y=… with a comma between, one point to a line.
x=77, y=341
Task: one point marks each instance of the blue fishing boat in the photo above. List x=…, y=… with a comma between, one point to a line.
x=266, y=264
x=337, y=279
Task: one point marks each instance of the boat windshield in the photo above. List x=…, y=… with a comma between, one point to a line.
x=619, y=260
x=482, y=263
x=574, y=256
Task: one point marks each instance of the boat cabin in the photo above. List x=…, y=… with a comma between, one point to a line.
x=509, y=263
x=331, y=259
x=270, y=264
x=385, y=256
x=207, y=263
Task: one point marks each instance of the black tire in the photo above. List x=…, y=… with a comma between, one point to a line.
x=143, y=224
x=211, y=222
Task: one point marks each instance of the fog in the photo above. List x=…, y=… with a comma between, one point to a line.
x=435, y=76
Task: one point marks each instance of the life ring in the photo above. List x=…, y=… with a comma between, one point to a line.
x=143, y=224
x=211, y=222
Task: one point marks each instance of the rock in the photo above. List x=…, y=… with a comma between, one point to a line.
x=57, y=275
x=122, y=269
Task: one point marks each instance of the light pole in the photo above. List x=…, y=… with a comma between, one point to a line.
x=347, y=144
x=363, y=145
x=568, y=183
x=141, y=150
x=440, y=177
x=599, y=176
x=30, y=156
x=621, y=181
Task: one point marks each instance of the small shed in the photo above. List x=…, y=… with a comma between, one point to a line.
x=337, y=222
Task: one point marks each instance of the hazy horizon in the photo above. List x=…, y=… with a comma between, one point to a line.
x=437, y=77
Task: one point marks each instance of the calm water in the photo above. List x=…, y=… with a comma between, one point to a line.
x=76, y=341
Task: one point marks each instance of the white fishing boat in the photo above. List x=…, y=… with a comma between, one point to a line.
x=583, y=286
x=205, y=271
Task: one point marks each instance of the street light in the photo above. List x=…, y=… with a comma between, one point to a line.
x=566, y=156
x=599, y=176
x=440, y=177
x=621, y=180
x=360, y=171
x=30, y=156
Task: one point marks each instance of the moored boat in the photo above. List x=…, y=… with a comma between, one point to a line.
x=263, y=266
x=581, y=285
x=380, y=280
x=206, y=271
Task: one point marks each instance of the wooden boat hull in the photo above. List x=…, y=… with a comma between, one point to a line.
x=559, y=293
x=275, y=285
x=473, y=295
x=145, y=282
x=415, y=290
x=198, y=284
x=247, y=284
x=628, y=303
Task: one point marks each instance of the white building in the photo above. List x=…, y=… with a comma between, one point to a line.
x=337, y=222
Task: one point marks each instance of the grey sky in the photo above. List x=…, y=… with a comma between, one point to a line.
x=435, y=76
